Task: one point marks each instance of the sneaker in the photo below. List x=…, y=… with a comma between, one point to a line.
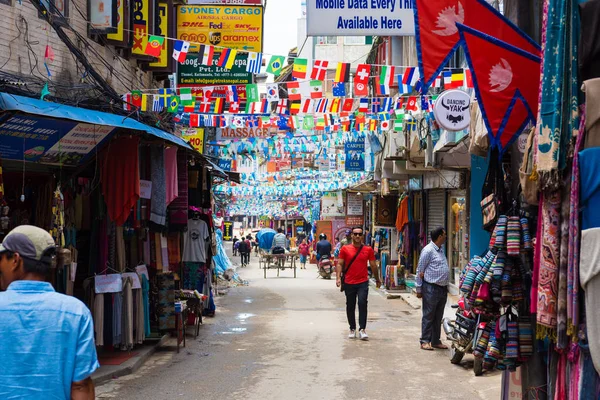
x=363, y=335
x=352, y=334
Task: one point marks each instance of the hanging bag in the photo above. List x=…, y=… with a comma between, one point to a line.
x=528, y=185
x=343, y=277
x=491, y=192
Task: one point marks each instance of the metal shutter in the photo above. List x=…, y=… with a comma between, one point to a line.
x=436, y=210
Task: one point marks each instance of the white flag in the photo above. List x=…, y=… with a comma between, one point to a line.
x=272, y=92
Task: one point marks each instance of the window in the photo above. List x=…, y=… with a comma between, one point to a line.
x=59, y=9
x=326, y=39
x=354, y=40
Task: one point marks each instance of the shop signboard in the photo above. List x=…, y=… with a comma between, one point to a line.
x=242, y=133
x=331, y=206
x=145, y=189
x=165, y=27
x=193, y=73
x=354, y=204
x=195, y=137
x=143, y=16
x=234, y=27
x=452, y=110
x=355, y=155
x=355, y=220
x=103, y=16
x=227, y=230
x=122, y=35
x=112, y=283
x=360, y=18
x=33, y=138
x=225, y=165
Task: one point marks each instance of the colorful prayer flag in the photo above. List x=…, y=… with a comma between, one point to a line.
x=254, y=62
x=342, y=73
x=319, y=70
x=205, y=54
x=227, y=58
x=299, y=68
x=180, y=50
x=275, y=65
x=154, y=45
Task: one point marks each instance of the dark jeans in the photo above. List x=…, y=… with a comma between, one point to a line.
x=361, y=291
x=434, y=301
x=245, y=258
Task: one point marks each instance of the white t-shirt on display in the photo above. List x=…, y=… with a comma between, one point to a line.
x=194, y=241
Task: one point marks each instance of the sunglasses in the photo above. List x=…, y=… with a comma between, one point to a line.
x=356, y=234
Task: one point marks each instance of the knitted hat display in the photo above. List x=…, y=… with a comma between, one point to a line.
x=493, y=238
x=473, y=294
x=525, y=338
x=469, y=281
x=482, y=343
x=513, y=236
x=512, y=344
x=493, y=350
x=517, y=286
x=507, y=293
x=500, y=242
x=527, y=243
x=498, y=266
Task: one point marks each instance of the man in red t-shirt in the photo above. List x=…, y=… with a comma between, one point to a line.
x=356, y=280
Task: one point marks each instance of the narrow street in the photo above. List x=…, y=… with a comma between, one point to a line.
x=285, y=338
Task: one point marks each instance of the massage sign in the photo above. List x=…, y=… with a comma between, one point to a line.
x=451, y=110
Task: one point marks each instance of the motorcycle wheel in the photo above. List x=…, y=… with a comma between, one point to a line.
x=456, y=356
x=478, y=366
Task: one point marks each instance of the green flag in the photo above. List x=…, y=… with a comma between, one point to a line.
x=185, y=95
x=308, y=122
x=252, y=93
x=173, y=104
x=276, y=65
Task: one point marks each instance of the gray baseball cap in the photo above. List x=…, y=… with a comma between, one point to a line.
x=29, y=241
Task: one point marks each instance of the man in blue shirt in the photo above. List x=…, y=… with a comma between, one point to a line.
x=432, y=287
x=46, y=338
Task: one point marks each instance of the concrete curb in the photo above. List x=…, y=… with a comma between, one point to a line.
x=109, y=372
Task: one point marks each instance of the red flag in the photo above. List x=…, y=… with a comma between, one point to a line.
x=294, y=91
x=194, y=120
x=319, y=70
x=506, y=81
x=234, y=107
x=437, y=34
x=347, y=106
x=412, y=104
x=361, y=80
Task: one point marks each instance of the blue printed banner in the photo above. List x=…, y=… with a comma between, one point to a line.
x=225, y=165
x=355, y=155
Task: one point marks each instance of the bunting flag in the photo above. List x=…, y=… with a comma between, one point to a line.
x=217, y=105
x=173, y=104
x=227, y=58
x=386, y=104
x=319, y=70
x=275, y=65
x=321, y=106
x=263, y=106
x=205, y=54
x=335, y=106
x=299, y=68
x=361, y=80
x=506, y=81
x=272, y=92
x=399, y=104
x=145, y=102
x=386, y=79
x=307, y=106
x=254, y=62
x=157, y=105
x=457, y=78
x=282, y=107
x=295, y=108
x=437, y=34
x=404, y=89
x=294, y=91
x=185, y=94
x=375, y=105
x=154, y=45
x=339, y=89
x=164, y=96
x=252, y=92
x=438, y=81
x=194, y=120
x=136, y=98
x=342, y=73
x=447, y=79
x=232, y=94
x=205, y=105
x=316, y=89
x=412, y=104
x=308, y=122
x=180, y=50
x=410, y=77
x=234, y=107
x=468, y=79
x=294, y=122
x=363, y=106
x=347, y=105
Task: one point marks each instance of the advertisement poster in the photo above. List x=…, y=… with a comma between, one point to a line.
x=195, y=137
x=360, y=18
x=225, y=165
x=234, y=27
x=227, y=231
x=354, y=204
x=326, y=228
x=122, y=35
x=355, y=155
x=331, y=207
x=142, y=12
x=33, y=138
x=193, y=73
x=103, y=16
x=165, y=62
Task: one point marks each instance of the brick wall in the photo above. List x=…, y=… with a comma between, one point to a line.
x=20, y=26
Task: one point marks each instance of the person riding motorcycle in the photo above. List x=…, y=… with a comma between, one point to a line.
x=324, y=256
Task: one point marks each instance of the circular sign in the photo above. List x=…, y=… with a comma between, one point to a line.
x=451, y=110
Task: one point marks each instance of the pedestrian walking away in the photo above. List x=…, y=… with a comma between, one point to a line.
x=432, y=288
x=354, y=260
x=46, y=338
x=235, y=240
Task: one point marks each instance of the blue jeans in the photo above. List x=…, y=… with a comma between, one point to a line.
x=360, y=291
x=434, y=302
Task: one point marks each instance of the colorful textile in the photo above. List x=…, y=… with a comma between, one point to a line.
x=178, y=209
x=513, y=236
x=193, y=275
x=172, y=181
x=558, y=117
x=525, y=338
x=120, y=177
x=562, y=338
x=402, y=216
x=174, y=250
x=501, y=227
x=166, y=301
x=536, y=263
x=527, y=243
x=158, y=204
x=548, y=266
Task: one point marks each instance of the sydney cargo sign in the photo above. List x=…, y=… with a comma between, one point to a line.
x=360, y=18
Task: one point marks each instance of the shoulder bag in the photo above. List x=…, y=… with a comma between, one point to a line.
x=343, y=277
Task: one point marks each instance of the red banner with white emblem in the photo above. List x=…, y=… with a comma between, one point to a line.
x=437, y=34
x=506, y=81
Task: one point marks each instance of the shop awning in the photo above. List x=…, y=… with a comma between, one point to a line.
x=34, y=136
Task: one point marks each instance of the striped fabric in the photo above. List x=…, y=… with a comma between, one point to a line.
x=513, y=236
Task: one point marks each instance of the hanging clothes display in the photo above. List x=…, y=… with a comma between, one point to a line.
x=166, y=301
x=158, y=203
x=171, y=175
x=195, y=241
x=178, y=209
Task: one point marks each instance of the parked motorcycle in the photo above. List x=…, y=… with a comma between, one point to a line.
x=464, y=332
x=326, y=267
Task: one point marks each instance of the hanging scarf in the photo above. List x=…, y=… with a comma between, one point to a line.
x=558, y=116
x=536, y=262
x=563, y=340
x=548, y=268
x=573, y=257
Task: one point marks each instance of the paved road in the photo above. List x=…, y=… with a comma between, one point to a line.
x=285, y=338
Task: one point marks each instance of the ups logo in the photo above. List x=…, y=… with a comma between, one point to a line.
x=214, y=38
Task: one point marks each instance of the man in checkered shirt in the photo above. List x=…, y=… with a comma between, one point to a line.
x=432, y=287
